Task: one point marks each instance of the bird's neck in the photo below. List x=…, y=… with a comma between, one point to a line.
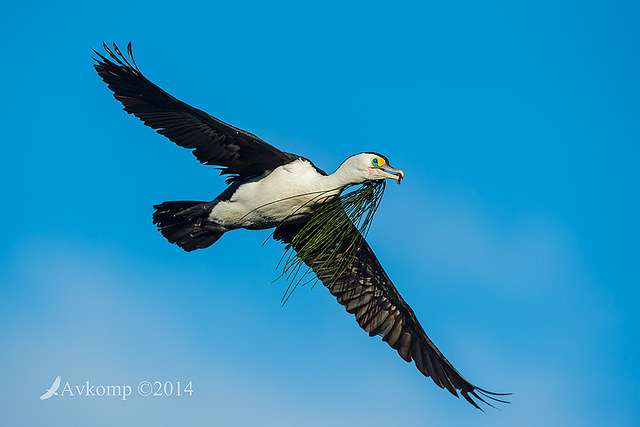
x=341, y=178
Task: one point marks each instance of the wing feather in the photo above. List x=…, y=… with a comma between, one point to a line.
x=366, y=291
x=240, y=154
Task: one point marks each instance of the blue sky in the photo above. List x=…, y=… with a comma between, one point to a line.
x=514, y=232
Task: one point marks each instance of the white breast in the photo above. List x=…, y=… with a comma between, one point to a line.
x=287, y=193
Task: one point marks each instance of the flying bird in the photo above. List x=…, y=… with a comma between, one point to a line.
x=53, y=390
x=270, y=188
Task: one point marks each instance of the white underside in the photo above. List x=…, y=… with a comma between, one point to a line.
x=288, y=193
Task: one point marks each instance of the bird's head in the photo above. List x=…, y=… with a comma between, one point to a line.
x=369, y=167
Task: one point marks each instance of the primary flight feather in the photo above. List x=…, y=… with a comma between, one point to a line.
x=270, y=188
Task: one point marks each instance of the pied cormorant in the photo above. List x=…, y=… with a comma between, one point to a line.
x=271, y=188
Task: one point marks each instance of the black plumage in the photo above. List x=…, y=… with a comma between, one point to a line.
x=214, y=142
x=366, y=291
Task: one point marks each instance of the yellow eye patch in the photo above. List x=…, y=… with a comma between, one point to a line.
x=377, y=161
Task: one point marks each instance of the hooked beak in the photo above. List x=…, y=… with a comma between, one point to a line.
x=392, y=173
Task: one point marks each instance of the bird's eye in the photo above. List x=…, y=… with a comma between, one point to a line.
x=377, y=161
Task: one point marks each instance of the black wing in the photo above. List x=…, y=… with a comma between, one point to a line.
x=239, y=153
x=367, y=292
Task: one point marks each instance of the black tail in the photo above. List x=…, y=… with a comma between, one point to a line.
x=187, y=225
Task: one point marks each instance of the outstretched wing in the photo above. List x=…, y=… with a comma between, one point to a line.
x=56, y=383
x=367, y=292
x=239, y=153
